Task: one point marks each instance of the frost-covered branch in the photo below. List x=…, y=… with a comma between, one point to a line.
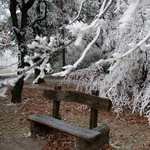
x=31, y=63
x=88, y=47
x=64, y=46
x=12, y=81
x=120, y=59
x=79, y=12
x=104, y=9
x=8, y=82
x=43, y=44
x=128, y=15
x=80, y=29
x=41, y=68
x=126, y=1
x=70, y=68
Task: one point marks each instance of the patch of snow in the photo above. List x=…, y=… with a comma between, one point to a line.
x=26, y=100
x=27, y=134
x=10, y=104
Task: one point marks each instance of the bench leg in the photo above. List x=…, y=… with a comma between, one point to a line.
x=33, y=126
x=36, y=128
x=98, y=143
x=82, y=144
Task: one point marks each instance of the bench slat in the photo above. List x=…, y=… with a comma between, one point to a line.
x=93, y=101
x=87, y=134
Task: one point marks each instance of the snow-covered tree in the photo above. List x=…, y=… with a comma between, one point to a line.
x=120, y=30
x=31, y=18
x=127, y=40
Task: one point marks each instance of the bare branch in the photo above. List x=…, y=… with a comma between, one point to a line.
x=125, y=54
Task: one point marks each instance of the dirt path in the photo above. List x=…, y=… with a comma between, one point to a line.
x=130, y=132
x=15, y=142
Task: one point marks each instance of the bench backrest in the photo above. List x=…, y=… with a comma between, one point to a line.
x=93, y=101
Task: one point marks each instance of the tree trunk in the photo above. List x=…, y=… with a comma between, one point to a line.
x=17, y=90
x=37, y=72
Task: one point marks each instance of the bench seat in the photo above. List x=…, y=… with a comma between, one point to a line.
x=87, y=134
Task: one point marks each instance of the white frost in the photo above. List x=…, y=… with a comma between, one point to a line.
x=129, y=14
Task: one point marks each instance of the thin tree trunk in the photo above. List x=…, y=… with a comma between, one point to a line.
x=36, y=74
x=17, y=90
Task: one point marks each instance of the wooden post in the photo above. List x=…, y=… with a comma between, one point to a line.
x=93, y=113
x=98, y=143
x=32, y=129
x=36, y=128
x=56, y=105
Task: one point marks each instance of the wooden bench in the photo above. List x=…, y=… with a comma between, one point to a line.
x=86, y=139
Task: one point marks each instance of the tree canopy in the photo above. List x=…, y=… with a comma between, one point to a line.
x=114, y=32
